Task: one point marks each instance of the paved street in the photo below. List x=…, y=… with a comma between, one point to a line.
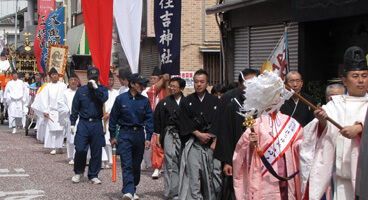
x=28, y=171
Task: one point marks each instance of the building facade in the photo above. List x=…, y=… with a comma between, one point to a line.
x=200, y=40
x=318, y=33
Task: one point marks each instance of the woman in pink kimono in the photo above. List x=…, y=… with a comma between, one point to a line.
x=266, y=159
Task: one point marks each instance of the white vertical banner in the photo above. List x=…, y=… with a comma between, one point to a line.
x=278, y=58
x=128, y=17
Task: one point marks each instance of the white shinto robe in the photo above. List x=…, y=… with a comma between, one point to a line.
x=47, y=102
x=318, y=155
x=68, y=100
x=107, y=151
x=15, y=96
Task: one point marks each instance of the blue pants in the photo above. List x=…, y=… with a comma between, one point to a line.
x=89, y=135
x=131, y=149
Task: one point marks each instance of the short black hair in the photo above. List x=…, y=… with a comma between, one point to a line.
x=181, y=81
x=202, y=72
x=232, y=85
x=218, y=88
x=247, y=72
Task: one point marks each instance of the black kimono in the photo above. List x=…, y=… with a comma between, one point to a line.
x=231, y=125
x=166, y=114
x=166, y=121
x=302, y=113
x=199, y=172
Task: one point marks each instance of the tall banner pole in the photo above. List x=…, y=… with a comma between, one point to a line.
x=286, y=50
x=65, y=27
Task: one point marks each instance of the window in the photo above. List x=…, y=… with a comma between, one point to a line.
x=211, y=63
x=76, y=6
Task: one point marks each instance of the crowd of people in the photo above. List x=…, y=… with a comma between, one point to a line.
x=254, y=140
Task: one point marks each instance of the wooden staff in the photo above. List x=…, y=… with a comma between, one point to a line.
x=50, y=119
x=314, y=107
x=104, y=121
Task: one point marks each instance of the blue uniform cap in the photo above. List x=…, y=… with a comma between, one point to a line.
x=93, y=72
x=137, y=78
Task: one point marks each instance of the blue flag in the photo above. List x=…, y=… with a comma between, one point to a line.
x=167, y=17
x=54, y=27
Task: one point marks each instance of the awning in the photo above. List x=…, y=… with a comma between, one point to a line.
x=73, y=38
x=312, y=10
x=212, y=49
x=233, y=5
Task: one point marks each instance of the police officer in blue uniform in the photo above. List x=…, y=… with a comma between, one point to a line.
x=132, y=112
x=88, y=105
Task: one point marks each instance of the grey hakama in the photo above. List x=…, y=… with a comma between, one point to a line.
x=199, y=172
x=172, y=155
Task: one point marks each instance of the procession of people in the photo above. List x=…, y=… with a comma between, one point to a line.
x=264, y=139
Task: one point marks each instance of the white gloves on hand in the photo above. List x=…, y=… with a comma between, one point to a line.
x=94, y=84
x=72, y=130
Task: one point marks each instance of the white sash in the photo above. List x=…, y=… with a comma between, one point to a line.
x=281, y=142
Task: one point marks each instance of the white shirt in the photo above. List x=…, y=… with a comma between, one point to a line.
x=4, y=65
x=123, y=89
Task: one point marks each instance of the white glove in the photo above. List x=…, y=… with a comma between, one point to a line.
x=72, y=130
x=93, y=82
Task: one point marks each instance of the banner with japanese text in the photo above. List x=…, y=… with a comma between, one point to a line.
x=167, y=18
x=54, y=28
x=46, y=6
x=40, y=39
x=278, y=59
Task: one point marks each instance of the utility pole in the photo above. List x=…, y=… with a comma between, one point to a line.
x=15, y=34
x=16, y=25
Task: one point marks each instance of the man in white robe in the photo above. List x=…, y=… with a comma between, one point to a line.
x=34, y=88
x=21, y=76
x=15, y=97
x=107, y=150
x=46, y=106
x=68, y=100
x=4, y=63
x=324, y=145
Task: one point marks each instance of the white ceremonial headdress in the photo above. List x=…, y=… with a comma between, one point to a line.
x=262, y=93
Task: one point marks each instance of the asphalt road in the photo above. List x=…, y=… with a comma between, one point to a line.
x=29, y=171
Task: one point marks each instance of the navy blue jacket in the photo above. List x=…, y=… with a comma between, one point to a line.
x=88, y=103
x=129, y=111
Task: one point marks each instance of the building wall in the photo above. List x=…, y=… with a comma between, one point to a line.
x=194, y=34
x=197, y=30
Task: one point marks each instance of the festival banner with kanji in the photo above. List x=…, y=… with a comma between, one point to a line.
x=167, y=18
x=40, y=39
x=54, y=28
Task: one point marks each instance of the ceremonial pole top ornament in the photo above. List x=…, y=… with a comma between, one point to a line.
x=264, y=94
